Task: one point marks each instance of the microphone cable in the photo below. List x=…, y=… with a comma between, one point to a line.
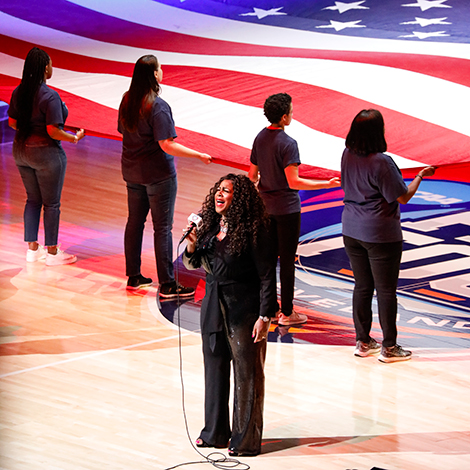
x=216, y=459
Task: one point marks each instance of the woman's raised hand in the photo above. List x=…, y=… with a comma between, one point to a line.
x=336, y=181
x=205, y=158
x=428, y=171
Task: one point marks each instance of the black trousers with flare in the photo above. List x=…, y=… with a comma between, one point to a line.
x=234, y=345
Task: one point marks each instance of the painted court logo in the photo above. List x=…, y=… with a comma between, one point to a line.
x=435, y=267
x=436, y=230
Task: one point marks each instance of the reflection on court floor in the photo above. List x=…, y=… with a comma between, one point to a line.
x=327, y=303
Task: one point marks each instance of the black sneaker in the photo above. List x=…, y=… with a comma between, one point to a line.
x=173, y=291
x=364, y=349
x=135, y=282
x=394, y=354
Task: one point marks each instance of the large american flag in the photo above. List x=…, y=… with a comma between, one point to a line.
x=222, y=58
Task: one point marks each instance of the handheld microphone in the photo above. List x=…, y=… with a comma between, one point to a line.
x=195, y=221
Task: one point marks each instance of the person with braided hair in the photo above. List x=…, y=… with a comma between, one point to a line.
x=235, y=249
x=38, y=115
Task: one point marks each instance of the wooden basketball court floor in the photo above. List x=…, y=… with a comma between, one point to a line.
x=90, y=373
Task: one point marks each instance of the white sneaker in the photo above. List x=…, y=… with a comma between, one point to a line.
x=60, y=258
x=35, y=255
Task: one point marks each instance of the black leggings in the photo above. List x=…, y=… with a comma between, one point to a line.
x=287, y=230
x=375, y=266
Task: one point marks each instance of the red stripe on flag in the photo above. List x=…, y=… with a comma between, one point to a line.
x=445, y=172
x=66, y=60
x=322, y=109
x=325, y=110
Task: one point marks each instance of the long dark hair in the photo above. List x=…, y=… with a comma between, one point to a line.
x=33, y=76
x=246, y=215
x=138, y=101
x=367, y=133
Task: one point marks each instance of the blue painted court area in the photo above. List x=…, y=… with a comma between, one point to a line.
x=434, y=285
x=327, y=302
x=436, y=228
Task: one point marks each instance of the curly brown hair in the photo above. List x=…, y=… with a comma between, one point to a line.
x=276, y=106
x=246, y=215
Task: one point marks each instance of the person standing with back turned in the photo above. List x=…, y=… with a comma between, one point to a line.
x=373, y=191
x=38, y=115
x=148, y=148
x=275, y=162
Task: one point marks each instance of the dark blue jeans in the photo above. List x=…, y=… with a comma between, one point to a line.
x=159, y=199
x=42, y=169
x=375, y=266
x=286, y=229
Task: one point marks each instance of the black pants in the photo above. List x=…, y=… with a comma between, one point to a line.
x=158, y=198
x=375, y=266
x=287, y=230
x=219, y=349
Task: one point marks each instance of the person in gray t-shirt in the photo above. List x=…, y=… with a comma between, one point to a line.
x=274, y=165
x=38, y=115
x=373, y=191
x=148, y=147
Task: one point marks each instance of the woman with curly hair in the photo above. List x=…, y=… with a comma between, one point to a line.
x=236, y=252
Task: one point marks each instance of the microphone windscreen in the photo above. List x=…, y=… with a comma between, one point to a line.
x=195, y=219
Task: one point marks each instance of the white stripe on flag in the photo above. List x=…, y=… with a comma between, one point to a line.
x=232, y=122
x=420, y=96
x=161, y=16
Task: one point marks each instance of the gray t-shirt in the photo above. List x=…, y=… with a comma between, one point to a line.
x=371, y=187
x=48, y=109
x=273, y=150
x=143, y=160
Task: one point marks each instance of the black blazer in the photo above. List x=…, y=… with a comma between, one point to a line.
x=244, y=286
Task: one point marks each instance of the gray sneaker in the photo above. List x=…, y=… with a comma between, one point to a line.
x=364, y=349
x=394, y=354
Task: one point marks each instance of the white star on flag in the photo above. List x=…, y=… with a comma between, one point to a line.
x=427, y=4
x=343, y=7
x=338, y=26
x=260, y=13
x=235, y=60
x=437, y=34
x=423, y=22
